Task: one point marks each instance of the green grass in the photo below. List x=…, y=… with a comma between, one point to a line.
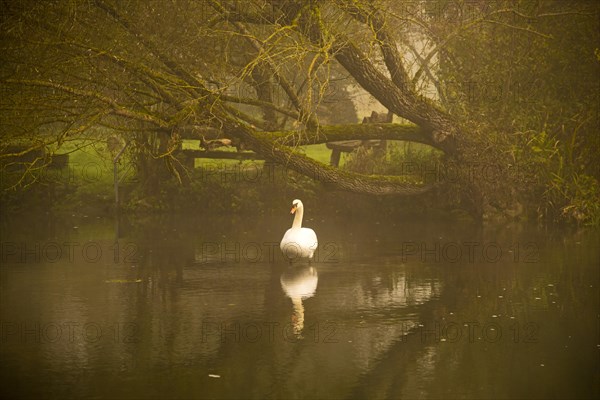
x=318, y=152
x=91, y=164
x=91, y=167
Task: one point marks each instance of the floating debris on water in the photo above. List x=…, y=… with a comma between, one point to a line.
x=214, y=376
x=122, y=281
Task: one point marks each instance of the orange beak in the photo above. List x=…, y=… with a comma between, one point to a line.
x=293, y=210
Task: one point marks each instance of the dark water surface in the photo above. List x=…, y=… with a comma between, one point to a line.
x=184, y=307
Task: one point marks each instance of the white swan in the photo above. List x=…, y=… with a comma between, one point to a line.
x=298, y=242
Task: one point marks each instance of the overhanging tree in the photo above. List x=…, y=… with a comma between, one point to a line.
x=255, y=71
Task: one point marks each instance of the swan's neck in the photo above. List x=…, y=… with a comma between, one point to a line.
x=298, y=218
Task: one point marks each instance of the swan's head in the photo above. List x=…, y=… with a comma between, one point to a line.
x=296, y=205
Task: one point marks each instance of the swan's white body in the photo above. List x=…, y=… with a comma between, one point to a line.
x=298, y=242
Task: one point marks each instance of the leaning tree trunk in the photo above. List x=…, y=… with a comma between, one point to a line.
x=394, y=92
x=151, y=170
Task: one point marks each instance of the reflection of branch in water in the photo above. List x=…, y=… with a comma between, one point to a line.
x=299, y=284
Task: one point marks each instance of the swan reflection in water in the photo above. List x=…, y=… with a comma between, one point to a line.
x=299, y=283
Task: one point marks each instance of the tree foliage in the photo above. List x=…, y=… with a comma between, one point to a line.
x=269, y=73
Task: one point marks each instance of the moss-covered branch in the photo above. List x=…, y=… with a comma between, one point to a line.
x=265, y=145
x=117, y=108
x=331, y=133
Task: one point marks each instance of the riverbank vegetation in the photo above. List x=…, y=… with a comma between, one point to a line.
x=495, y=106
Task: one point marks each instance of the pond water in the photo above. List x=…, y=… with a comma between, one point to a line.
x=186, y=307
